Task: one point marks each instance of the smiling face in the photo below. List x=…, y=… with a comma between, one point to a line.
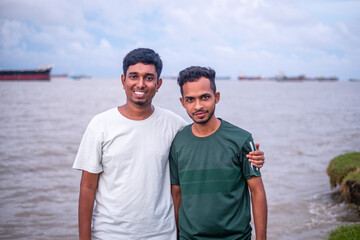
x=199, y=100
x=140, y=84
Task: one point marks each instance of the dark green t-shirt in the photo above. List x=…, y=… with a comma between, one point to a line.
x=212, y=173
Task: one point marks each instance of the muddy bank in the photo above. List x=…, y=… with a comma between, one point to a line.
x=344, y=171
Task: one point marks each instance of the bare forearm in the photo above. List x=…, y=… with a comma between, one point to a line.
x=88, y=188
x=176, y=195
x=177, y=206
x=260, y=213
x=86, y=205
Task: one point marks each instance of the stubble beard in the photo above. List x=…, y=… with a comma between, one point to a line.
x=139, y=103
x=203, y=121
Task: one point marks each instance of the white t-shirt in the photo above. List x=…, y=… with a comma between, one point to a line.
x=133, y=198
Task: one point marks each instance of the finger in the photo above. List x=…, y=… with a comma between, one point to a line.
x=257, y=162
x=258, y=153
x=256, y=157
x=258, y=165
x=255, y=153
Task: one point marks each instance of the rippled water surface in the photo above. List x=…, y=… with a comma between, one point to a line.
x=300, y=126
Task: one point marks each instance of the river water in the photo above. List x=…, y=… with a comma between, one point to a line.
x=300, y=127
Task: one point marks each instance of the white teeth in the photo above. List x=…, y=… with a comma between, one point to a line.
x=139, y=93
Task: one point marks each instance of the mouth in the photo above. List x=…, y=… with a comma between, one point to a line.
x=139, y=93
x=200, y=114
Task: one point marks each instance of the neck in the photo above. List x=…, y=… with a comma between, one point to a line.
x=206, y=129
x=136, y=112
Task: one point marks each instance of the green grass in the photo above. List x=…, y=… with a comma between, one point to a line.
x=346, y=233
x=344, y=170
x=355, y=176
x=341, y=166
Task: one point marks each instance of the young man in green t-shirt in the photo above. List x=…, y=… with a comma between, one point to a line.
x=210, y=173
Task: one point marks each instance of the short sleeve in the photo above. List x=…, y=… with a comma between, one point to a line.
x=89, y=155
x=174, y=171
x=248, y=169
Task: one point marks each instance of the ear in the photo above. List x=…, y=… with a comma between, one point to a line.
x=182, y=101
x=217, y=97
x=159, y=82
x=123, y=79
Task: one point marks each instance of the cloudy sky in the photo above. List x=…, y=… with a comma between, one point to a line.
x=258, y=37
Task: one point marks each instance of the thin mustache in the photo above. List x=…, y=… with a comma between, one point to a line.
x=139, y=89
x=201, y=111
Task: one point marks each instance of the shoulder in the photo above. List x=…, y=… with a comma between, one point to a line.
x=229, y=127
x=186, y=129
x=167, y=113
x=185, y=132
x=103, y=117
x=110, y=112
x=235, y=134
x=182, y=139
x=169, y=116
x=238, y=136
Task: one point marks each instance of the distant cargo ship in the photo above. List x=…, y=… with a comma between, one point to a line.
x=284, y=78
x=242, y=77
x=250, y=78
x=42, y=73
x=354, y=79
x=79, y=76
x=301, y=78
x=223, y=77
x=281, y=77
x=63, y=75
x=327, y=79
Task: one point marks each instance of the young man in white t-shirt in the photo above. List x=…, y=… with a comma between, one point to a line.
x=125, y=183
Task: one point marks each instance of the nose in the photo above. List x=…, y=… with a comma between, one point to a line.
x=197, y=105
x=140, y=82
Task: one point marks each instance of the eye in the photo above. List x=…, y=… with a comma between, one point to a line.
x=133, y=77
x=189, y=99
x=150, y=78
x=205, y=97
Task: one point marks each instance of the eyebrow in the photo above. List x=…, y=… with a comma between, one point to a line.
x=150, y=74
x=133, y=73
x=202, y=95
x=146, y=74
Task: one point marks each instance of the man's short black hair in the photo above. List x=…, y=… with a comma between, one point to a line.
x=193, y=73
x=143, y=55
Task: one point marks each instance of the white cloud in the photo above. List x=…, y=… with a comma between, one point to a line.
x=104, y=44
x=11, y=33
x=256, y=36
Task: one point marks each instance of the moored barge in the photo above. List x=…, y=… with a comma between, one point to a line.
x=42, y=73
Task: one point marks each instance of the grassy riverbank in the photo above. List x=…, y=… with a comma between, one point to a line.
x=341, y=166
x=346, y=232
x=344, y=171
